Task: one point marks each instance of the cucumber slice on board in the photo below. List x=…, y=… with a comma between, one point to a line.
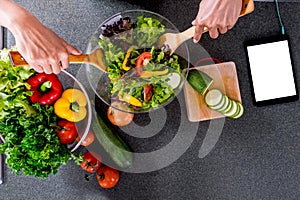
x=218, y=101
x=241, y=111
x=228, y=106
x=213, y=97
x=219, y=105
x=225, y=105
x=233, y=111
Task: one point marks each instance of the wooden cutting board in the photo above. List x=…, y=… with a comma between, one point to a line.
x=225, y=78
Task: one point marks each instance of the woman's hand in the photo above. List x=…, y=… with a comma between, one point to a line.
x=217, y=15
x=40, y=47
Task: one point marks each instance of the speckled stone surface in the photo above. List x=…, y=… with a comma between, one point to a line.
x=256, y=156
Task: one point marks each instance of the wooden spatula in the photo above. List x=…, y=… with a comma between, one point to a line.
x=174, y=40
x=95, y=58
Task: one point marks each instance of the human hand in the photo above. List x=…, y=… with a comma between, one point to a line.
x=42, y=49
x=217, y=15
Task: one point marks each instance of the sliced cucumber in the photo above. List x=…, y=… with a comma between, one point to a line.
x=234, y=109
x=213, y=97
x=228, y=107
x=175, y=80
x=225, y=105
x=219, y=105
x=218, y=101
x=241, y=111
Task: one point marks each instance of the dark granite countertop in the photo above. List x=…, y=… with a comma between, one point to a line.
x=256, y=156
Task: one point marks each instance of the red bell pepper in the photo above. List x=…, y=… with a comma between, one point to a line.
x=140, y=61
x=46, y=88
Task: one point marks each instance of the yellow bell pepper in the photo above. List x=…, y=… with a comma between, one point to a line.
x=71, y=106
x=130, y=99
x=124, y=65
x=148, y=74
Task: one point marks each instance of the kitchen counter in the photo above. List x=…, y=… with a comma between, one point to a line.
x=256, y=156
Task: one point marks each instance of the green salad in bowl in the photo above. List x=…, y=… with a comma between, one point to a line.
x=140, y=74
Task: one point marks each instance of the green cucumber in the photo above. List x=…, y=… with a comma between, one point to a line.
x=225, y=105
x=199, y=80
x=219, y=105
x=241, y=111
x=233, y=111
x=213, y=97
x=218, y=101
x=112, y=143
x=228, y=106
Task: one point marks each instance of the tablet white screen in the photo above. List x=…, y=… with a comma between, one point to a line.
x=271, y=70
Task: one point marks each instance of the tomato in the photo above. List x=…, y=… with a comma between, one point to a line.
x=107, y=177
x=117, y=117
x=89, y=138
x=144, y=57
x=90, y=163
x=67, y=132
x=148, y=92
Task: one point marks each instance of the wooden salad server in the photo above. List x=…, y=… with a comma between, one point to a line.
x=95, y=58
x=174, y=40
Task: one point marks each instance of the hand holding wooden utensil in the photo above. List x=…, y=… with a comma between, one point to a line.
x=95, y=58
x=174, y=40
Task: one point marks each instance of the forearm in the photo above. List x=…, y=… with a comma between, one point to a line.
x=40, y=46
x=12, y=15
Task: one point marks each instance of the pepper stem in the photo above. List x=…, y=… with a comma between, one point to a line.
x=74, y=106
x=45, y=86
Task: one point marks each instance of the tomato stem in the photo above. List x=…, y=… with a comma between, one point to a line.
x=101, y=176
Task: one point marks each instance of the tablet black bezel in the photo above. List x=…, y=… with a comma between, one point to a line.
x=266, y=40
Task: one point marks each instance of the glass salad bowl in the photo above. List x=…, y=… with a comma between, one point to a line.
x=140, y=75
x=70, y=82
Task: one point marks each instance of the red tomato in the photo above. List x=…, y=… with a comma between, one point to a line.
x=117, y=117
x=148, y=92
x=107, y=177
x=89, y=139
x=67, y=132
x=90, y=163
x=140, y=61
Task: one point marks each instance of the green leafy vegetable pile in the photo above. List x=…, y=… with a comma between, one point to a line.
x=31, y=144
x=12, y=86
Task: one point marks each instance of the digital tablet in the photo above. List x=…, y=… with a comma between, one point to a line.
x=271, y=70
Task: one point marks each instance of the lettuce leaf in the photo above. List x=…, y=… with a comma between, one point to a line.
x=13, y=85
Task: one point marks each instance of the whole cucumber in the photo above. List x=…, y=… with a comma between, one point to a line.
x=112, y=143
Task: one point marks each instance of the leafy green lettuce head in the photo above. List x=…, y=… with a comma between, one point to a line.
x=12, y=84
